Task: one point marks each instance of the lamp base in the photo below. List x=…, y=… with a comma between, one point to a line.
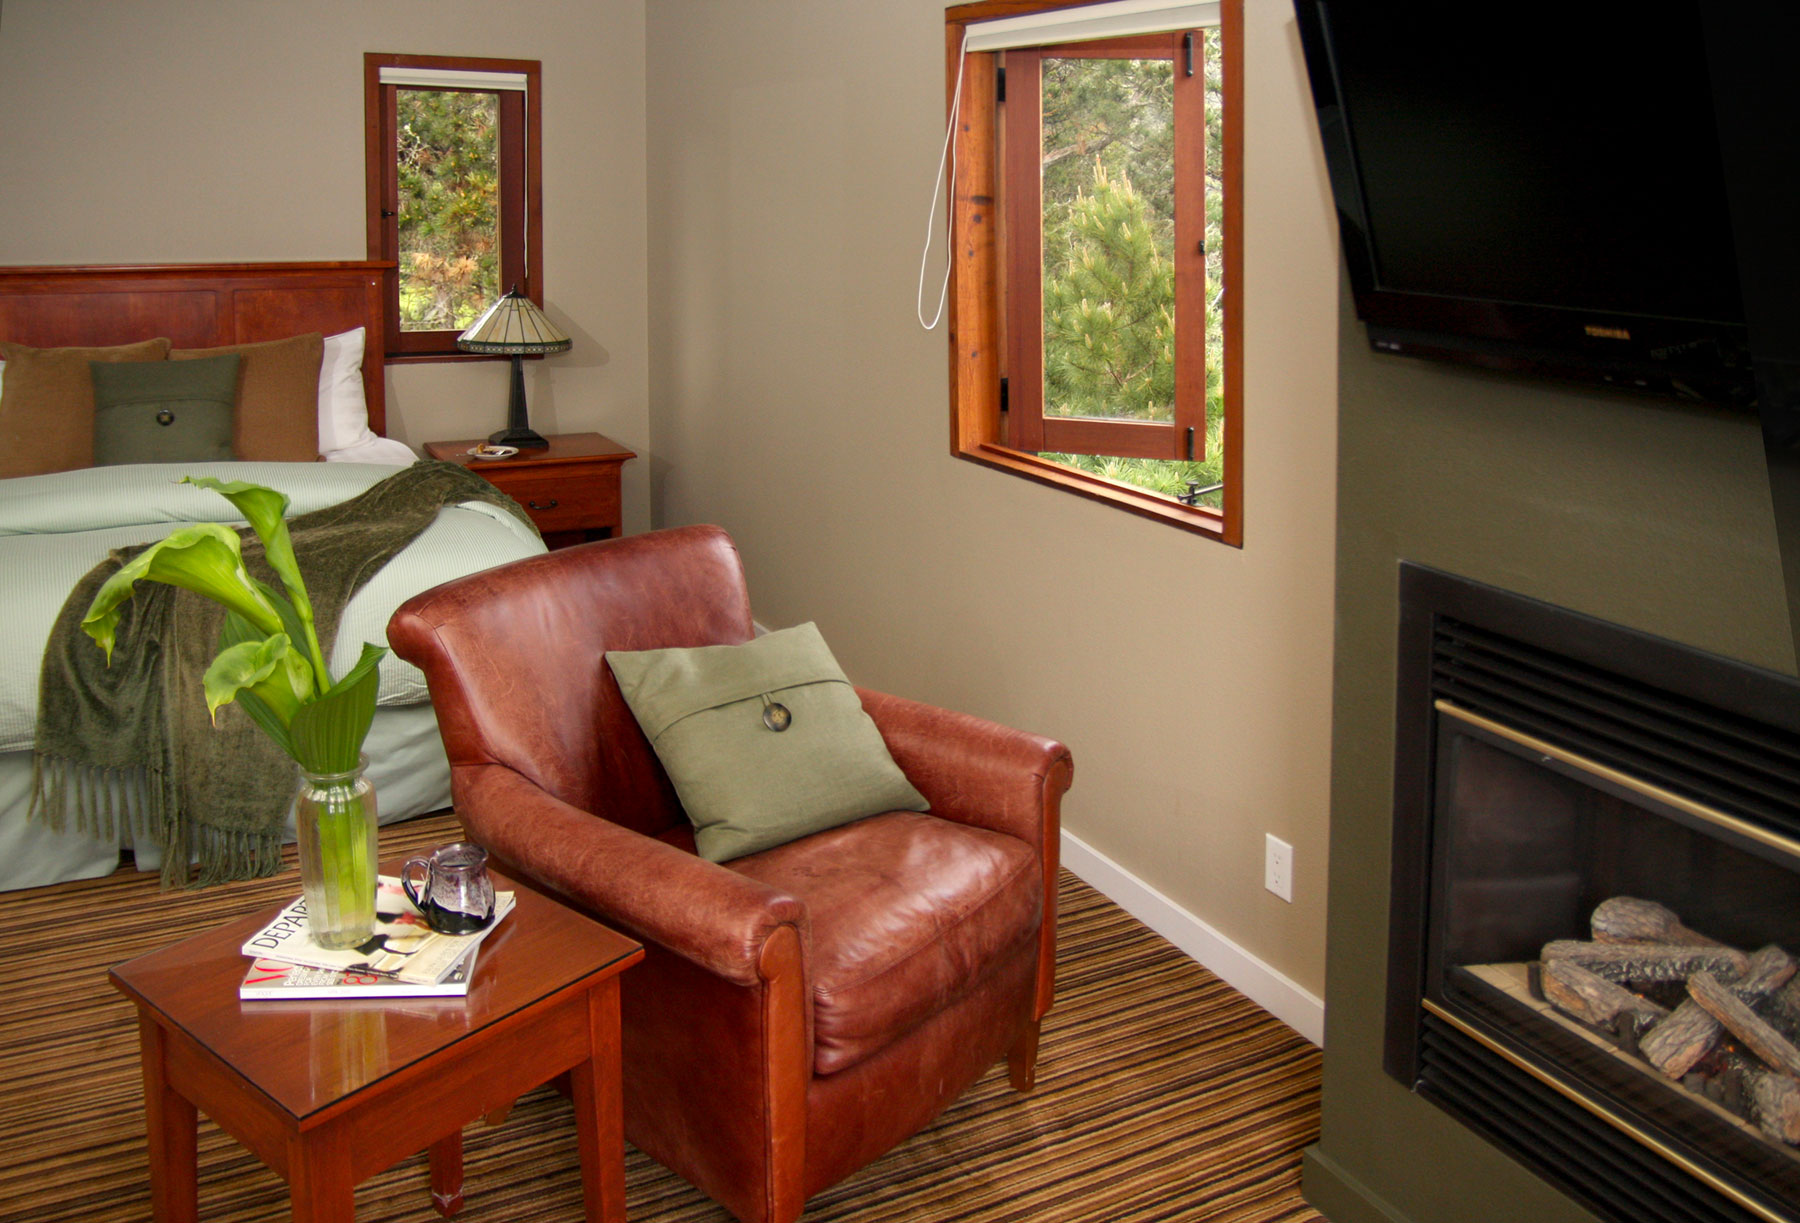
x=523, y=436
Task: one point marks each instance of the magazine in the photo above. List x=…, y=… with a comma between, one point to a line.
x=403, y=946
x=271, y=980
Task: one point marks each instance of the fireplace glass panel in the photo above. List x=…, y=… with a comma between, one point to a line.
x=1525, y=846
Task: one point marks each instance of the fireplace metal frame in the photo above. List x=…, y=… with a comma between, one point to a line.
x=1585, y=695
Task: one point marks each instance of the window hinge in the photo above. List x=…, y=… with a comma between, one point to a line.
x=1004, y=403
x=1000, y=83
x=1187, y=50
x=1190, y=443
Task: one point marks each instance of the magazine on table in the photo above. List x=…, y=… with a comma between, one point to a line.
x=402, y=946
x=277, y=980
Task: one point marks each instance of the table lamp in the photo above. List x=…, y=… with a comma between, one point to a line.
x=515, y=327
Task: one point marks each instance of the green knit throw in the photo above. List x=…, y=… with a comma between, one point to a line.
x=131, y=745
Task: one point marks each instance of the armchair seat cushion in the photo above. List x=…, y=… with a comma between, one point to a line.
x=908, y=913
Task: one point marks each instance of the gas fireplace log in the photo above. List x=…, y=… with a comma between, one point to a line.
x=1626, y=919
x=1775, y=1101
x=1784, y=1005
x=1647, y=963
x=1771, y=970
x=1756, y=1035
x=1678, y=1042
x=1688, y=1035
x=1594, y=999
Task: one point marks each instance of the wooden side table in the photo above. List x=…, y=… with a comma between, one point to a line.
x=330, y=1093
x=570, y=490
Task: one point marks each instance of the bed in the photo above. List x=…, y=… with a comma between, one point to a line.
x=54, y=527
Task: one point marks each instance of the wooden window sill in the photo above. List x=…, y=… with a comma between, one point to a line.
x=1203, y=520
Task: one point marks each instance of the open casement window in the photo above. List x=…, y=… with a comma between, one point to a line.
x=454, y=201
x=1096, y=318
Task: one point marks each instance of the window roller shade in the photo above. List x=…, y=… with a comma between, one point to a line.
x=451, y=78
x=1115, y=20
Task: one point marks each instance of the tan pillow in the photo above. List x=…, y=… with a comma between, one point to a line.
x=277, y=417
x=47, y=404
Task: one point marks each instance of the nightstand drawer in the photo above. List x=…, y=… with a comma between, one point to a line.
x=571, y=498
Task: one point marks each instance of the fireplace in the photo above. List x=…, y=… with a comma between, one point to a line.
x=1597, y=835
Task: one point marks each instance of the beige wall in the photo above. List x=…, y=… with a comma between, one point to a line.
x=796, y=400
x=206, y=130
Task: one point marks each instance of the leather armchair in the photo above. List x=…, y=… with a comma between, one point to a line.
x=801, y=1010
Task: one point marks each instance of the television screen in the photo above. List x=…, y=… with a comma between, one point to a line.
x=1544, y=195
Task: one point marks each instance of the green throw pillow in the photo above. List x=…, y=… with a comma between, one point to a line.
x=163, y=411
x=765, y=742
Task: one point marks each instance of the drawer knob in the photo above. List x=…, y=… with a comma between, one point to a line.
x=548, y=505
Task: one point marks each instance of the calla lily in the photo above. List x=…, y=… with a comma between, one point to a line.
x=270, y=661
x=270, y=668
x=205, y=558
x=265, y=510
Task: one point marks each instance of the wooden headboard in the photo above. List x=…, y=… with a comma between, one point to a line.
x=200, y=305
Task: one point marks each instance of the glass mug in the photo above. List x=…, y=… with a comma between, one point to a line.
x=458, y=896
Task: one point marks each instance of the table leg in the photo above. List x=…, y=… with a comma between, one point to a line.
x=599, y=1109
x=319, y=1177
x=172, y=1125
x=447, y=1174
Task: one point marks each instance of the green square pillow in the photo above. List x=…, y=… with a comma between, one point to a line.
x=765, y=742
x=164, y=411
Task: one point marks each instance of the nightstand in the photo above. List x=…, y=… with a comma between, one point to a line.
x=570, y=490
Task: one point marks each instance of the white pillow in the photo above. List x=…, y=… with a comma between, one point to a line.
x=375, y=450
x=343, y=409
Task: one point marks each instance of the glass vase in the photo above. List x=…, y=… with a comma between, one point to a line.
x=334, y=822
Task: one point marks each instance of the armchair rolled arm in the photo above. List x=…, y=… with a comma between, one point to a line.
x=718, y=919
x=975, y=771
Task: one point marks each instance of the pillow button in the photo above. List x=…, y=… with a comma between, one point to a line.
x=776, y=716
x=165, y=417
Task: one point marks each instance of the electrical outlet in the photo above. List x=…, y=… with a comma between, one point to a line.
x=1278, y=867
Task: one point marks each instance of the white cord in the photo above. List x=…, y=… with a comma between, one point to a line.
x=937, y=192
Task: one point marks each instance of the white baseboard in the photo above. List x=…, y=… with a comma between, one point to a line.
x=1263, y=985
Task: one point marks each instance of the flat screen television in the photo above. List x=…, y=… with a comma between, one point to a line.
x=1540, y=193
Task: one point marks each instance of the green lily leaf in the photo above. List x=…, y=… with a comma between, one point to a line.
x=236, y=629
x=266, y=511
x=329, y=730
x=267, y=719
x=204, y=558
x=367, y=661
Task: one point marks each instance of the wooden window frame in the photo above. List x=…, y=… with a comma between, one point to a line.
x=521, y=189
x=981, y=265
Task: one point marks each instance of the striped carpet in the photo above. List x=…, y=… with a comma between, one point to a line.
x=1162, y=1093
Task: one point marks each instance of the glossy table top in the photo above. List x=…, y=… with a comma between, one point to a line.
x=563, y=448
x=309, y=1055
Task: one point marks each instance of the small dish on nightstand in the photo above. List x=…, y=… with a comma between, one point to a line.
x=488, y=451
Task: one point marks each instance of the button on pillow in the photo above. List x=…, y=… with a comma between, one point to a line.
x=164, y=411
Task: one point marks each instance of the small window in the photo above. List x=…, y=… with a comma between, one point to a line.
x=453, y=190
x=1097, y=267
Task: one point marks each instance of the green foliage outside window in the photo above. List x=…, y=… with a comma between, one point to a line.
x=449, y=177
x=1109, y=282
